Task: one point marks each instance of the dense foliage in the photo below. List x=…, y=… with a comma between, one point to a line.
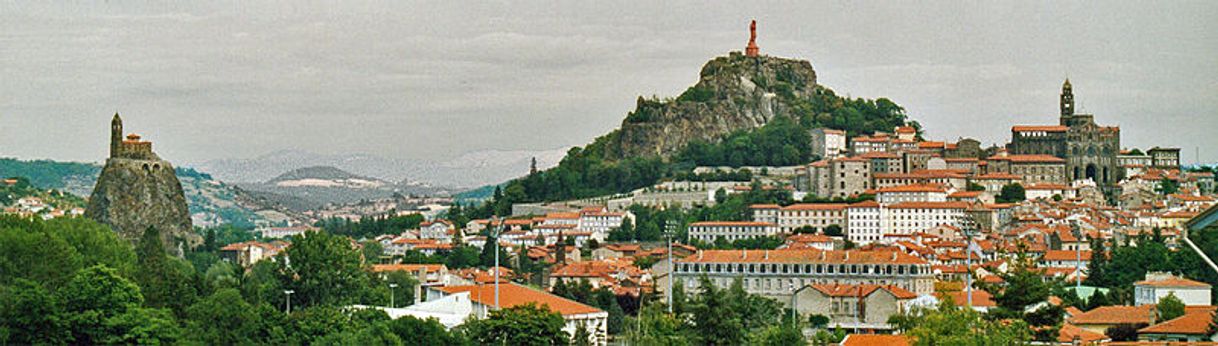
x=781, y=142
x=371, y=226
x=72, y=281
x=47, y=173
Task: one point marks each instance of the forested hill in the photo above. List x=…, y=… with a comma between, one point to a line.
x=743, y=111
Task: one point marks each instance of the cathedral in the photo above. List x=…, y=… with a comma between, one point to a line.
x=1089, y=149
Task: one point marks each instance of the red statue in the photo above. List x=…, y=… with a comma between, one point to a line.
x=752, y=49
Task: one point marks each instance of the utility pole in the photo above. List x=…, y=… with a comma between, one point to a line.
x=1078, y=256
x=967, y=227
x=669, y=232
x=391, y=294
x=288, y=293
x=496, y=230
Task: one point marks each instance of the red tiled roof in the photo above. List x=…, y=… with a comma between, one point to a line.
x=1115, y=315
x=929, y=205
x=512, y=295
x=914, y=188
x=730, y=223
x=875, y=340
x=1028, y=158
x=1069, y=331
x=413, y=268
x=802, y=256
x=1172, y=282
x=1045, y=128
x=1192, y=323
x=815, y=206
x=981, y=298
x=1064, y=255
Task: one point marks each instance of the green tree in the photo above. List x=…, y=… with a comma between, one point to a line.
x=974, y=187
x=103, y=308
x=403, y=294
x=163, y=282
x=1167, y=186
x=655, y=327
x=372, y=251
x=714, y=317
x=323, y=269
x=224, y=318
x=525, y=324
x=1169, y=307
x=414, y=331
x=581, y=337
x=463, y=257
x=833, y=230
x=29, y=314
x=777, y=335
x=1011, y=193
x=951, y=325
x=1124, y=331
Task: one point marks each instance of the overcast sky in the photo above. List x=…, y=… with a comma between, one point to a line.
x=207, y=80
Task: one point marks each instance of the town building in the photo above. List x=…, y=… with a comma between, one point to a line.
x=1035, y=169
x=778, y=273
x=828, y=143
x=481, y=301
x=709, y=231
x=815, y=215
x=866, y=307
x=1164, y=158
x=1089, y=149
x=1158, y=285
x=841, y=177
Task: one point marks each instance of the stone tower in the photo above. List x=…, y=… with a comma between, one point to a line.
x=751, y=49
x=116, y=135
x=1067, y=101
x=137, y=190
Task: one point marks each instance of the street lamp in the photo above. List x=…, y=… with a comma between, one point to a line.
x=391, y=294
x=289, y=299
x=1078, y=256
x=795, y=293
x=495, y=231
x=967, y=227
x=669, y=228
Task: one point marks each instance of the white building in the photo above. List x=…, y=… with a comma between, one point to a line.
x=828, y=143
x=482, y=301
x=912, y=193
x=1158, y=285
x=789, y=218
x=708, y=231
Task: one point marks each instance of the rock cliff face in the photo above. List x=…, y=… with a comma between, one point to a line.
x=735, y=92
x=133, y=194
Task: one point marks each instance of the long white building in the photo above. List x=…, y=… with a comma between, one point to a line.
x=777, y=273
x=708, y=231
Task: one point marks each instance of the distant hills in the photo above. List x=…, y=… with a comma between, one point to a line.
x=467, y=171
x=211, y=202
x=743, y=105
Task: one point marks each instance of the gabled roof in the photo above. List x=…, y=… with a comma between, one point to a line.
x=1045, y=128
x=1192, y=323
x=1115, y=315
x=1172, y=282
x=1069, y=331
x=511, y=294
x=875, y=340
x=837, y=290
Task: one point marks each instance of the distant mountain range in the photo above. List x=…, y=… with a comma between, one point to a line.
x=467, y=171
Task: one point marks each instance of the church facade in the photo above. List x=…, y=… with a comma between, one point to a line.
x=1090, y=150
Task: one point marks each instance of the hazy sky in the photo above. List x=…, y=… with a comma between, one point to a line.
x=208, y=80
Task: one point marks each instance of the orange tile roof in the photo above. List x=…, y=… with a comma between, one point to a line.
x=875, y=340
x=512, y=295
x=1068, y=332
x=1045, y=128
x=1172, y=282
x=1192, y=323
x=981, y=298
x=929, y=205
x=815, y=206
x=1115, y=315
x=730, y=223
x=1064, y=255
x=998, y=176
x=413, y=268
x=803, y=256
x=965, y=194
x=765, y=206
x=930, y=144
x=1028, y=158
x=914, y=188
x=863, y=290
x=562, y=215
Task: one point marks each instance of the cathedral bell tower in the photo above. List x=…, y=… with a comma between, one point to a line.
x=1067, y=101
x=116, y=135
